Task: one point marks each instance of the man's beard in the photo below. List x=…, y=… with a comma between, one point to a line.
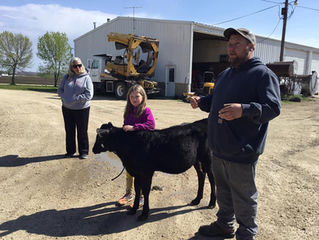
x=237, y=61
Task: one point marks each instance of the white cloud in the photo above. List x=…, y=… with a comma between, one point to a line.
x=34, y=20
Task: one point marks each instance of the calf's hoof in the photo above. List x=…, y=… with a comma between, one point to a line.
x=131, y=211
x=212, y=205
x=142, y=217
x=195, y=202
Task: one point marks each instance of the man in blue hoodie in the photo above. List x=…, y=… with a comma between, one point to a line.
x=245, y=98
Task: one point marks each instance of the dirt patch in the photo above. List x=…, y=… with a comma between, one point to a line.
x=44, y=196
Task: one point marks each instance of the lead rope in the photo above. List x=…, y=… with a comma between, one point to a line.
x=118, y=175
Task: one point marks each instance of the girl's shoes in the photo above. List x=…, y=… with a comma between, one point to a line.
x=128, y=197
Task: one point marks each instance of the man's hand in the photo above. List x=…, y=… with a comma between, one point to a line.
x=194, y=101
x=231, y=111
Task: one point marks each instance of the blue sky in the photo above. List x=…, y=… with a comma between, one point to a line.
x=34, y=18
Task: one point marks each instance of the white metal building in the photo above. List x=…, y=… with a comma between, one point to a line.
x=186, y=48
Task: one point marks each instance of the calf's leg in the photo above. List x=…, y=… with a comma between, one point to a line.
x=137, y=188
x=201, y=180
x=146, y=182
x=212, y=202
x=206, y=165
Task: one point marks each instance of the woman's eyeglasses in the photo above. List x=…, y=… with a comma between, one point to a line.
x=77, y=66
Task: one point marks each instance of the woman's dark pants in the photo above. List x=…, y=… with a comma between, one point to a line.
x=76, y=120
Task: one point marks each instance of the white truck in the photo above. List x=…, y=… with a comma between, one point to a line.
x=115, y=74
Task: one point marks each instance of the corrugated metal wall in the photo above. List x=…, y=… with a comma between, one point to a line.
x=299, y=56
x=174, y=43
x=267, y=50
x=315, y=62
x=315, y=67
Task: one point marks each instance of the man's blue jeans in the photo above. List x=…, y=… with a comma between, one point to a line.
x=236, y=196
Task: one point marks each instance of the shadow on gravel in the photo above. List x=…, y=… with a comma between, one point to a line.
x=15, y=160
x=200, y=237
x=99, y=219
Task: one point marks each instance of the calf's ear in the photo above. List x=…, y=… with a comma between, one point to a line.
x=109, y=125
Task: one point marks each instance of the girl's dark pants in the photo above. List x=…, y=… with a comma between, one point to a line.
x=76, y=120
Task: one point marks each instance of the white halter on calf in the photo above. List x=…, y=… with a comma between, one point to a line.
x=99, y=131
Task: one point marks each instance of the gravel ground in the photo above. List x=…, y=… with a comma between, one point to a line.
x=44, y=196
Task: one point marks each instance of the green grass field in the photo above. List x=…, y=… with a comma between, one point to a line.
x=40, y=88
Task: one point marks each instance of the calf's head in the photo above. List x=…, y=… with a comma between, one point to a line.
x=103, y=140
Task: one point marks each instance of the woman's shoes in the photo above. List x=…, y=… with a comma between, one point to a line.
x=71, y=155
x=83, y=156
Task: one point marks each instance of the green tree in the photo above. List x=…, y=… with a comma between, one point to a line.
x=15, y=52
x=55, y=51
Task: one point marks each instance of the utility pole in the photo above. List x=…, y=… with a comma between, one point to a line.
x=284, y=12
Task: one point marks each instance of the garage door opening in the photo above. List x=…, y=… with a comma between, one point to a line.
x=209, y=59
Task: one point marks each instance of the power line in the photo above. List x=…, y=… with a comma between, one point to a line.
x=295, y=3
x=247, y=15
x=284, y=13
x=314, y=9
x=292, y=11
x=279, y=19
x=272, y=31
x=271, y=1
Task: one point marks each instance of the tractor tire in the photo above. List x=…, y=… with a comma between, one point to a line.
x=120, y=90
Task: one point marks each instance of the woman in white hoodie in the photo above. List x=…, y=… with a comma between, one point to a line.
x=76, y=91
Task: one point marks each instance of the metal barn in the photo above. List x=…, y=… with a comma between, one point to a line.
x=187, y=49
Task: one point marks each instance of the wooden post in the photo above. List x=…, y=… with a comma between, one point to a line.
x=284, y=12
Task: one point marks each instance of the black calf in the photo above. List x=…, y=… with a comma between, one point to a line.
x=171, y=150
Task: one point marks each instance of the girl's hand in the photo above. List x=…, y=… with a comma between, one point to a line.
x=127, y=128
